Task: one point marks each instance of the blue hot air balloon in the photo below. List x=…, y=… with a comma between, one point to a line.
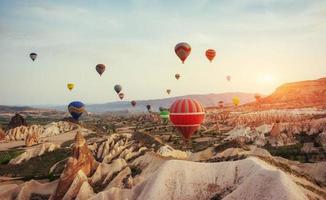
x=76, y=109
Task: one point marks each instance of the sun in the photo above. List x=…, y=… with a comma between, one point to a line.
x=266, y=79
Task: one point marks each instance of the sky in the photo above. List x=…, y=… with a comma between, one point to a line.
x=260, y=43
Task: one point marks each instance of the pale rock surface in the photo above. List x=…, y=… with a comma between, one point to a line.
x=105, y=171
x=85, y=192
x=9, y=191
x=75, y=186
x=33, y=186
x=168, y=151
x=118, y=181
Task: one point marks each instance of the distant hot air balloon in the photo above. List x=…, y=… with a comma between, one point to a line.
x=187, y=115
x=70, y=86
x=182, y=50
x=177, y=76
x=257, y=97
x=168, y=91
x=210, y=54
x=236, y=101
x=165, y=114
x=76, y=109
x=133, y=103
x=148, y=108
x=117, y=88
x=121, y=95
x=228, y=78
x=100, y=68
x=221, y=104
x=33, y=56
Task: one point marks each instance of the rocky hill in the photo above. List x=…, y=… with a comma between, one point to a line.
x=299, y=94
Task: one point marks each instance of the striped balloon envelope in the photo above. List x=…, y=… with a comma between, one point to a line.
x=187, y=115
x=76, y=109
x=210, y=54
x=182, y=50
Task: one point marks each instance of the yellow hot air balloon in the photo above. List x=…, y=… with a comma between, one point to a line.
x=236, y=101
x=70, y=86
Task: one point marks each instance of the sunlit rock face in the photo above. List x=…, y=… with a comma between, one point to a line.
x=2, y=134
x=16, y=121
x=78, y=167
x=32, y=139
x=303, y=93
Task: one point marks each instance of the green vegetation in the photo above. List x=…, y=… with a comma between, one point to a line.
x=37, y=167
x=6, y=156
x=291, y=152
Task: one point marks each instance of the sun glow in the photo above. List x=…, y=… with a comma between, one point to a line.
x=267, y=78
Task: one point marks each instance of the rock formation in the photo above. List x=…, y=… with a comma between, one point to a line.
x=299, y=94
x=2, y=134
x=31, y=139
x=51, y=129
x=21, y=132
x=33, y=152
x=78, y=166
x=16, y=121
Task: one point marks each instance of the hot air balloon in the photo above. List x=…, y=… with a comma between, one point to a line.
x=221, y=104
x=76, y=109
x=182, y=50
x=70, y=86
x=165, y=114
x=133, y=103
x=168, y=91
x=236, y=101
x=177, y=76
x=257, y=97
x=148, y=108
x=117, y=88
x=121, y=95
x=228, y=77
x=33, y=56
x=100, y=68
x=210, y=54
x=187, y=115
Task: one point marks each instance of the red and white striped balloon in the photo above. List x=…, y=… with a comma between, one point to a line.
x=187, y=115
x=210, y=54
x=182, y=50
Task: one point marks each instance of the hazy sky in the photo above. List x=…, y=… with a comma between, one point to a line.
x=260, y=43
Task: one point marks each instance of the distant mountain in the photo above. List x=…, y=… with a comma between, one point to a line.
x=298, y=94
x=208, y=100
x=15, y=108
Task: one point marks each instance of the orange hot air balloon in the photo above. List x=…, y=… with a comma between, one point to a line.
x=182, y=50
x=133, y=103
x=177, y=76
x=168, y=91
x=100, y=68
x=210, y=54
x=121, y=95
x=187, y=115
